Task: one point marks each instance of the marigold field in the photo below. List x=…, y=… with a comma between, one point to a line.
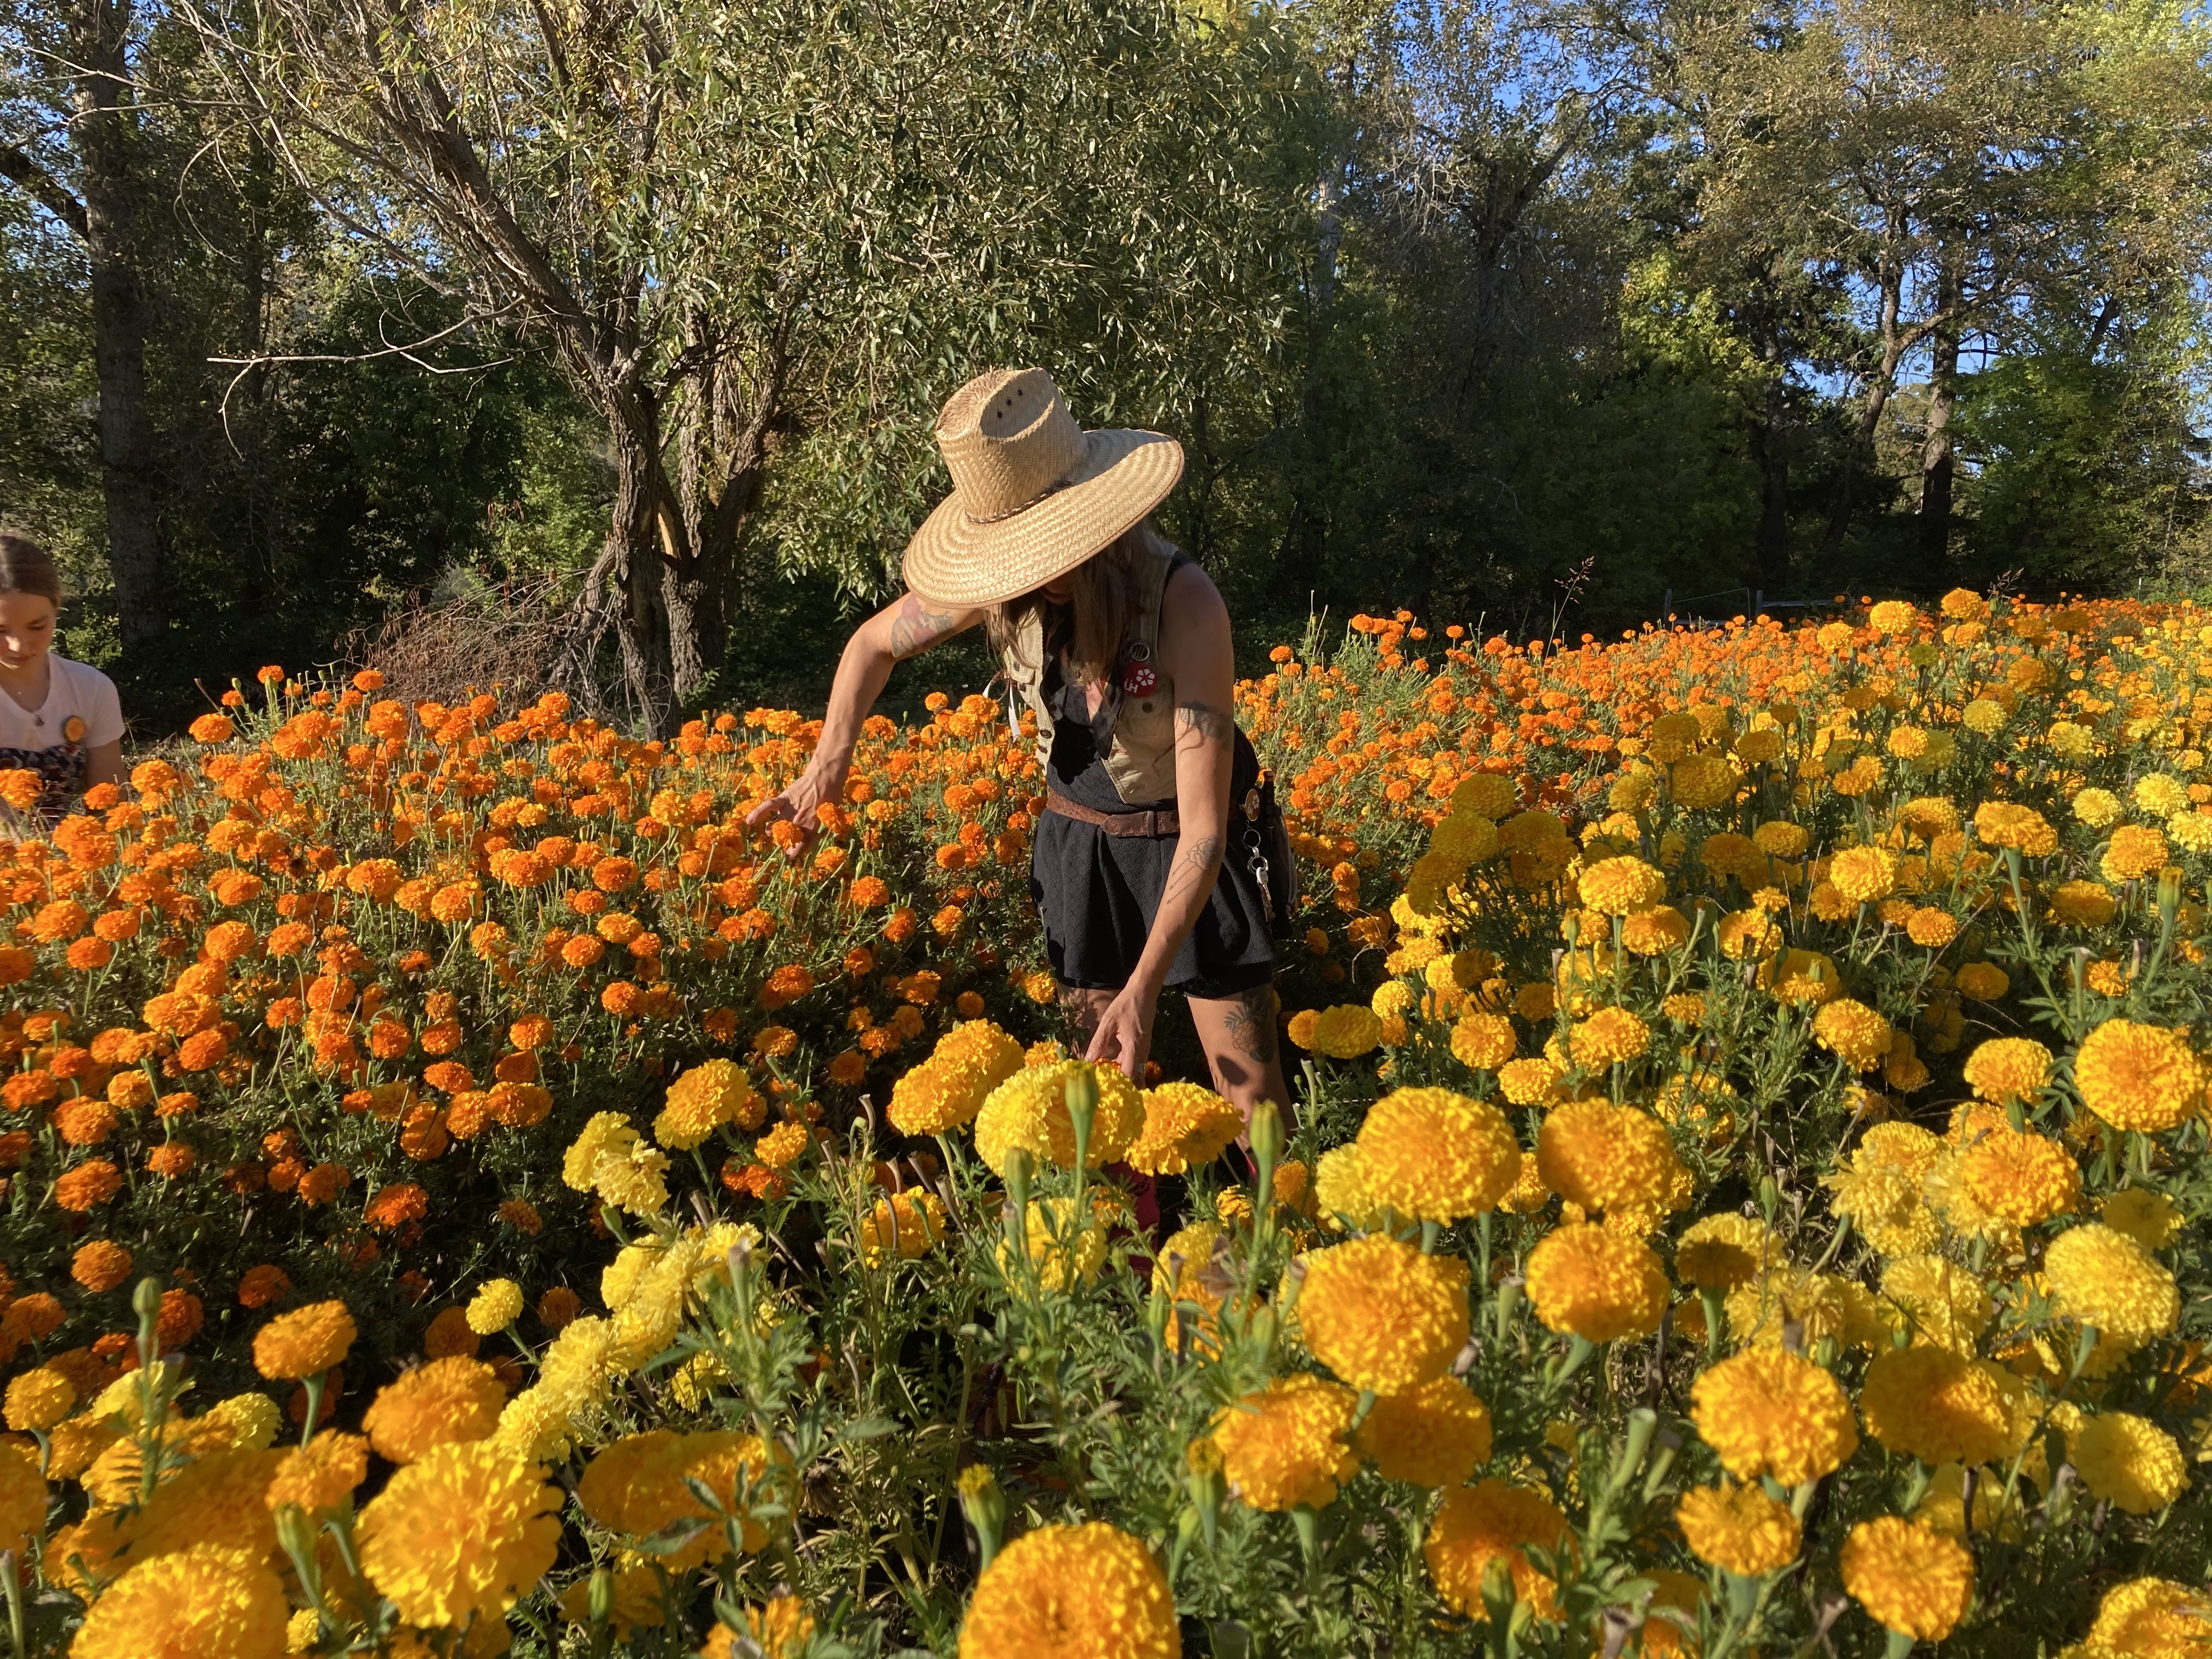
x=1747, y=1193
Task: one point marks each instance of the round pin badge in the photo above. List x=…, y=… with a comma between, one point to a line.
x=73, y=729
x=1138, y=680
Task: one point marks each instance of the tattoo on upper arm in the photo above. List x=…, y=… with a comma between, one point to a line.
x=916, y=627
x=1209, y=723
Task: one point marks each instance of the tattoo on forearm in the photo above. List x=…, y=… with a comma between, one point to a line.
x=1251, y=1023
x=1197, y=862
x=916, y=627
x=1208, y=723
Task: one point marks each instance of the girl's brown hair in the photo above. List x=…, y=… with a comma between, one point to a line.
x=1106, y=591
x=26, y=568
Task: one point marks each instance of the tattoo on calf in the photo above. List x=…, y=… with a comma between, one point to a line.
x=916, y=627
x=1209, y=724
x=1251, y=1024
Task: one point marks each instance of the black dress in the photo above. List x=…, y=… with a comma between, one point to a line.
x=1098, y=893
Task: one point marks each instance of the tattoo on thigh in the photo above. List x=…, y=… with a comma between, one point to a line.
x=1251, y=1023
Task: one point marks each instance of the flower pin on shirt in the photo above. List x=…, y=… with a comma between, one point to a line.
x=73, y=729
x=1138, y=679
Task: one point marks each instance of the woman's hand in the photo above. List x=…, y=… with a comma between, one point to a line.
x=797, y=802
x=1125, y=1031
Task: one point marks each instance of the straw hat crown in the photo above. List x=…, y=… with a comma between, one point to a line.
x=1033, y=493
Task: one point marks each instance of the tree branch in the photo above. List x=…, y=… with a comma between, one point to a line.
x=42, y=187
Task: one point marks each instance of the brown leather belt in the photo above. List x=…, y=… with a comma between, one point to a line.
x=1155, y=826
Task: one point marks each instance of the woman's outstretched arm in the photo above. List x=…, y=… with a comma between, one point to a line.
x=906, y=627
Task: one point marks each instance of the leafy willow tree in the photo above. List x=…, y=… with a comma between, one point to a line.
x=765, y=238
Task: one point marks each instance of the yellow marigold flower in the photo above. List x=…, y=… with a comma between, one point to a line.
x=2105, y=1280
x=1059, y=1250
x=1340, y=1190
x=1943, y=1302
x=1893, y=617
x=1185, y=1125
x=1431, y=1155
x=2024, y=1178
x=1528, y=1081
x=1854, y=1033
x=1284, y=1445
x=949, y=1088
x=2135, y=851
x=2082, y=903
x=1655, y=932
x=321, y=1475
x=779, y=1629
x=1738, y=1530
x=1586, y=1281
x=2150, y=1618
x=632, y=1177
x=496, y=1305
x=905, y=1225
x=2139, y=1077
x=452, y=1399
x=1701, y=782
x=2007, y=823
x=701, y=1101
x=460, y=1532
x=1610, y=1157
x=1082, y=1592
x=1610, y=1037
x=1436, y=1434
x=1381, y=1315
x=1864, y=875
x=305, y=1342
x=1940, y=1407
x=2096, y=807
x=1490, y=1522
x=605, y=1133
x=2156, y=792
x=637, y=1485
x=1720, y=1252
x=2008, y=1068
x=1984, y=981
x=1778, y=840
x=1483, y=1042
x=1393, y=999
x=1823, y=1304
x=1931, y=928
x=1622, y=886
x=38, y=1399
x=23, y=1499
x=2150, y=1218
x=1768, y=1410
x=205, y=1601
x=2129, y=1463
x=1983, y=716
x=1346, y=1032
x=781, y=1147
x=1909, y=1577
x=1029, y=1110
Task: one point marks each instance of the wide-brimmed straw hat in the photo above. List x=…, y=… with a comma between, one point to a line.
x=1033, y=493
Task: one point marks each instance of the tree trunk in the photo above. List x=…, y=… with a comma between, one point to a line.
x=129, y=454
x=1879, y=385
x=1937, y=463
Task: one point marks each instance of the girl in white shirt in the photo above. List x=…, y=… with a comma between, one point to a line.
x=59, y=718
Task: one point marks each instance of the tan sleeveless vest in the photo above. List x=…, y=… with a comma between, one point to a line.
x=1138, y=750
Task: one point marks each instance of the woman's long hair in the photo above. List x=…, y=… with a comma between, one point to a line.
x=1106, y=592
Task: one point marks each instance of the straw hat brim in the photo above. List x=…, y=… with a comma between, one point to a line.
x=957, y=559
